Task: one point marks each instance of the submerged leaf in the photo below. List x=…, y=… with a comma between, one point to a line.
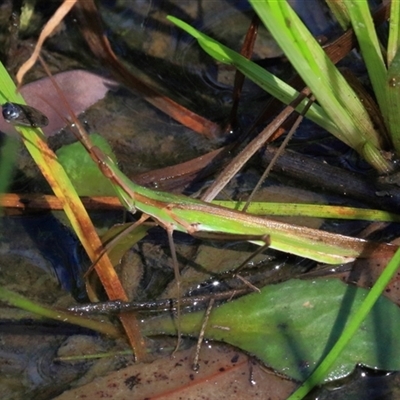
x=223, y=374
x=81, y=88
x=83, y=172
x=291, y=326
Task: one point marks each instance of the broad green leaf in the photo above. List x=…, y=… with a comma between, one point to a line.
x=291, y=327
x=354, y=324
x=82, y=171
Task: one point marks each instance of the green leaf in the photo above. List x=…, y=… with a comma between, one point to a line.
x=339, y=10
x=82, y=171
x=394, y=31
x=393, y=100
x=310, y=210
x=364, y=28
x=270, y=83
x=291, y=327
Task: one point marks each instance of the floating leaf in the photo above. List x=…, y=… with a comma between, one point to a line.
x=291, y=326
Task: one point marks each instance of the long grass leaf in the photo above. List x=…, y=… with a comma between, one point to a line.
x=270, y=83
x=394, y=31
x=17, y=300
x=364, y=29
x=311, y=210
x=339, y=10
x=393, y=101
x=393, y=75
x=285, y=93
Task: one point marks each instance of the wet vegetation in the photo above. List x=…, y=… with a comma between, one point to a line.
x=165, y=115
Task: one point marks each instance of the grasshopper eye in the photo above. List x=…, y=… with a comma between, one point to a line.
x=19, y=114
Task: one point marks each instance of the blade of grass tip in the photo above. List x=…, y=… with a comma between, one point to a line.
x=354, y=323
x=52, y=170
x=364, y=28
x=328, y=85
x=17, y=300
x=394, y=31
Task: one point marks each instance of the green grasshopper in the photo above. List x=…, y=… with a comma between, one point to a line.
x=176, y=212
x=181, y=213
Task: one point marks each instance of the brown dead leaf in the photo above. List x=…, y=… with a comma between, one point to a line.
x=224, y=373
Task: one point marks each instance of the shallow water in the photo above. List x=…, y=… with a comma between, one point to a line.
x=143, y=138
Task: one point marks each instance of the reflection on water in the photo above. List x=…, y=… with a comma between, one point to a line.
x=43, y=242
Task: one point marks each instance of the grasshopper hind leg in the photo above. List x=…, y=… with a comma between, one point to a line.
x=177, y=273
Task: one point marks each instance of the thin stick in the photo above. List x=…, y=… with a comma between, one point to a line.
x=237, y=163
x=116, y=307
x=51, y=24
x=195, y=365
x=248, y=283
x=178, y=285
x=111, y=244
x=267, y=240
x=279, y=152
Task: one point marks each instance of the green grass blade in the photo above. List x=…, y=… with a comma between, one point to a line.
x=364, y=29
x=17, y=300
x=394, y=31
x=328, y=85
x=311, y=210
x=339, y=10
x=393, y=100
x=318, y=375
x=354, y=136
x=270, y=83
x=7, y=155
x=33, y=139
